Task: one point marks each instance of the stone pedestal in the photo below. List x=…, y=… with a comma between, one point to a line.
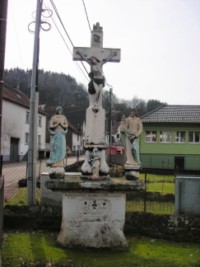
x=93, y=220
x=51, y=198
x=93, y=212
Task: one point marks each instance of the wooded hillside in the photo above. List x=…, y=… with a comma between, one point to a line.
x=61, y=89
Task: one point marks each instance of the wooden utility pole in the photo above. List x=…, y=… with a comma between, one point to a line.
x=32, y=152
x=3, y=24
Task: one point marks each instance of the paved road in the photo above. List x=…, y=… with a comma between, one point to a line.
x=13, y=172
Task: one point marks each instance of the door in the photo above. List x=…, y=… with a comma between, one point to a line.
x=14, y=148
x=179, y=163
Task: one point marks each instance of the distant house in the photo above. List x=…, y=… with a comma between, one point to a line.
x=74, y=140
x=15, y=126
x=171, y=138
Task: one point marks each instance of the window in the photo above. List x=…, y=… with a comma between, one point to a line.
x=194, y=137
x=165, y=137
x=150, y=136
x=180, y=137
x=27, y=116
x=77, y=137
x=39, y=140
x=40, y=121
x=26, y=138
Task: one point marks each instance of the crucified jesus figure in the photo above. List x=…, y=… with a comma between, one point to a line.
x=96, y=56
x=97, y=77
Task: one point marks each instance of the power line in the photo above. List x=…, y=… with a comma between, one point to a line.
x=57, y=13
x=86, y=13
x=62, y=24
x=61, y=35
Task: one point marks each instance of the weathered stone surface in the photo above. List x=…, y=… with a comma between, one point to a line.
x=93, y=212
x=93, y=220
x=74, y=183
x=48, y=197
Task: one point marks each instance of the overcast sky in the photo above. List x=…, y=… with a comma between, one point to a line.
x=159, y=42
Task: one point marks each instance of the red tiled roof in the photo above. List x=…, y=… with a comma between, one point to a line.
x=15, y=96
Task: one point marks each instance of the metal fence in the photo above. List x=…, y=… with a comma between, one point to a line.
x=14, y=172
x=158, y=196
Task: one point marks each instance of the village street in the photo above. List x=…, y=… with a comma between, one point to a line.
x=13, y=172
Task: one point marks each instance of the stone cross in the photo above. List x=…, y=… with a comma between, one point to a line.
x=96, y=56
x=96, y=50
x=95, y=164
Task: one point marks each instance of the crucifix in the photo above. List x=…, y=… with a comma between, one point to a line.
x=96, y=56
x=95, y=142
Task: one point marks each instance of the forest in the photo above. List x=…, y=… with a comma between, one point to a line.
x=61, y=89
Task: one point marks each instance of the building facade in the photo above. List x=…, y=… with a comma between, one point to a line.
x=171, y=138
x=74, y=141
x=15, y=126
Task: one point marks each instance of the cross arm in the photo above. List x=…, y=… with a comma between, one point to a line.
x=102, y=54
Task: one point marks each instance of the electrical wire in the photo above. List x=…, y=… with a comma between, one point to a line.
x=87, y=17
x=62, y=37
x=86, y=13
x=62, y=24
x=57, y=13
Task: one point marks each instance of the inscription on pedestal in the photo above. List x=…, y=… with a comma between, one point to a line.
x=93, y=220
x=93, y=207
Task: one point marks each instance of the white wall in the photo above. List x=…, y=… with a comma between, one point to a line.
x=76, y=142
x=14, y=126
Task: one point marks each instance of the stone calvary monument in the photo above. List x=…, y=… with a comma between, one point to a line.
x=95, y=166
x=93, y=204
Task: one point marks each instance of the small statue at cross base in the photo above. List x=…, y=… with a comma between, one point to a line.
x=95, y=166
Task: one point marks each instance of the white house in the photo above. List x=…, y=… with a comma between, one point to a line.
x=15, y=125
x=74, y=140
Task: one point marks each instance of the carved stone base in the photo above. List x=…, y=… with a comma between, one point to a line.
x=93, y=212
x=95, y=178
x=93, y=220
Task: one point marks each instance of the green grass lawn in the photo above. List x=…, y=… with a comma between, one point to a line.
x=151, y=206
x=157, y=177
x=161, y=187
x=131, y=205
x=23, y=248
x=154, y=185
x=21, y=197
